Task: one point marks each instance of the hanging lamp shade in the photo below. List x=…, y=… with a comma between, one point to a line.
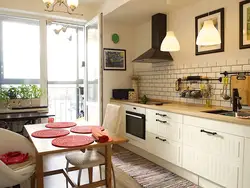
x=208, y=35
x=170, y=43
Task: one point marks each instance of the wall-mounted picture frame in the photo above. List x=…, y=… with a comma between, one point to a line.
x=218, y=17
x=114, y=59
x=245, y=24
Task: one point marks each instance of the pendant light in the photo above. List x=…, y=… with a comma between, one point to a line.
x=170, y=43
x=208, y=35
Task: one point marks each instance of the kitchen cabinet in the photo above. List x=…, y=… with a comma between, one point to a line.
x=213, y=150
x=213, y=155
x=164, y=148
x=167, y=125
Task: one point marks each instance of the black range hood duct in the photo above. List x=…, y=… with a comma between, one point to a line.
x=159, y=30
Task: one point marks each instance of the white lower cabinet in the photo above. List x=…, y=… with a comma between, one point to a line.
x=213, y=155
x=164, y=148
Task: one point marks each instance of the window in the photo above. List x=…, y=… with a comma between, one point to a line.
x=65, y=53
x=20, y=50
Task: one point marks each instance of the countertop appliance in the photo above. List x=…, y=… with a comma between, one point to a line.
x=121, y=93
x=135, y=124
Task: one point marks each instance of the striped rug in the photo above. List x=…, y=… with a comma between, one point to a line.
x=146, y=173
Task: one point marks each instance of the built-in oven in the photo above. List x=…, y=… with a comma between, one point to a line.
x=135, y=124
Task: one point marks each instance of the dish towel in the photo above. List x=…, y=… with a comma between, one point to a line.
x=14, y=157
x=99, y=135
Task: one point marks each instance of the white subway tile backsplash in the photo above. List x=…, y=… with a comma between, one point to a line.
x=159, y=82
x=198, y=70
x=221, y=63
x=231, y=62
x=204, y=64
x=206, y=70
x=243, y=61
x=211, y=63
x=246, y=67
x=236, y=68
x=215, y=69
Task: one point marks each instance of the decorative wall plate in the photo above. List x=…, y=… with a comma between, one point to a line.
x=115, y=38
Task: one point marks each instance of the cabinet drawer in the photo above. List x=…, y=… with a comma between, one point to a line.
x=167, y=116
x=214, y=142
x=164, y=148
x=170, y=130
x=134, y=109
x=163, y=126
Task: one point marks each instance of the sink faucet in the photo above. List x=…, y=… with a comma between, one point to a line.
x=236, y=101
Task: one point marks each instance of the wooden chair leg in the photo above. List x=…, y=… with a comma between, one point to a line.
x=33, y=181
x=113, y=172
x=90, y=170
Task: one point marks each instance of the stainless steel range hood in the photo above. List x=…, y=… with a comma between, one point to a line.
x=154, y=54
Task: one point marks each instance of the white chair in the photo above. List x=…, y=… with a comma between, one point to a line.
x=12, y=175
x=91, y=158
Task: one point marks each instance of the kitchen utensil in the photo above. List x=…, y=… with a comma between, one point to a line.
x=243, y=87
x=224, y=94
x=178, y=85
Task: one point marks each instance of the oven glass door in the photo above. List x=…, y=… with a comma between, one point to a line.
x=135, y=124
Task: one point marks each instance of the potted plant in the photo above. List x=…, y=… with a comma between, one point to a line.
x=24, y=93
x=3, y=98
x=12, y=94
x=36, y=94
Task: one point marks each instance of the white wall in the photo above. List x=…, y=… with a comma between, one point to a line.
x=186, y=63
x=118, y=79
x=111, y=5
x=183, y=23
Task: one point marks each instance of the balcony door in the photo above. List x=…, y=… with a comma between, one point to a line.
x=93, y=71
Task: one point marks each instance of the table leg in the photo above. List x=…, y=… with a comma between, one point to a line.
x=108, y=152
x=39, y=171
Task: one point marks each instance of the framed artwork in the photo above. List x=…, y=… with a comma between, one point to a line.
x=114, y=59
x=218, y=18
x=245, y=24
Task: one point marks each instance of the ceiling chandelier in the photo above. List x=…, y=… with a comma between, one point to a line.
x=70, y=5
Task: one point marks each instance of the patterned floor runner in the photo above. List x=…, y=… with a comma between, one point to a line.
x=146, y=173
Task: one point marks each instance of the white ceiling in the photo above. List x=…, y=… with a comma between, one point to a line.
x=92, y=2
x=139, y=11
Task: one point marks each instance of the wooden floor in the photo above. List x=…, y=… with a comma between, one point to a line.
x=53, y=162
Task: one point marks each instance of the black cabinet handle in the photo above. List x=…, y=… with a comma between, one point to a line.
x=161, y=139
x=162, y=115
x=211, y=133
x=161, y=121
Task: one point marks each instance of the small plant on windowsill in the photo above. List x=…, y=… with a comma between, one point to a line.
x=4, y=98
x=36, y=94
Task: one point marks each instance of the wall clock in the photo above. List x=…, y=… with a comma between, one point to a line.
x=115, y=38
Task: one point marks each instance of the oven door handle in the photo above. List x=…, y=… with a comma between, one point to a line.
x=133, y=116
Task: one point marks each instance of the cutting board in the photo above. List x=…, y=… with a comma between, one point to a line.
x=243, y=87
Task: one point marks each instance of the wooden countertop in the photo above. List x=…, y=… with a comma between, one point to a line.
x=190, y=110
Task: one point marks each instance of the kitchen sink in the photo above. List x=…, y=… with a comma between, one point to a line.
x=228, y=113
x=217, y=111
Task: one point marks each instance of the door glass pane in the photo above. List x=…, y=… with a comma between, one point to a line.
x=93, y=62
x=62, y=101
x=21, y=49
x=62, y=53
